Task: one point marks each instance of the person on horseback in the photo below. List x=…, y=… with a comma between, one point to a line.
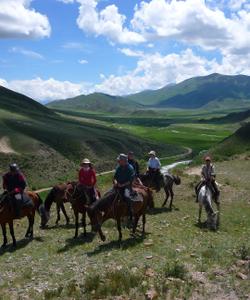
x=154, y=166
x=208, y=176
x=133, y=162
x=87, y=179
x=14, y=184
x=123, y=178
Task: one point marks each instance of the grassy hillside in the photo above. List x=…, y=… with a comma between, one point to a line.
x=233, y=117
x=237, y=143
x=213, y=91
x=96, y=102
x=49, y=146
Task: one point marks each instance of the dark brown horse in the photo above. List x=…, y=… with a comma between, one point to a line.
x=164, y=181
x=58, y=195
x=79, y=200
x=7, y=215
x=111, y=206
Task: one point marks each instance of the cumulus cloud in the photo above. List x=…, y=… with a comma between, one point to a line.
x=25, y=52
x=132, y=53
x=47, y=90
x=83, y=61
x=194, y=22
x=19, y=20
x=66, y=1
x=107, y=22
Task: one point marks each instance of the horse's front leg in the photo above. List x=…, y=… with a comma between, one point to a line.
x=200, y=210
x=143, y=223
x=167, y=196
x=65, y=213
x=4, y=235
x=171, y=198
x=76, y=224
x=119, y=228
x=135, y=224
x=84, y=223
x=11, y=226
x=58, y=213
x=218, y=216
x=29, y=233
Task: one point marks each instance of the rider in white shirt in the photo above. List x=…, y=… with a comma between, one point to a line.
x=154, y=166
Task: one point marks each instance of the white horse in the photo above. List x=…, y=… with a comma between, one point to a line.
x=205, y=197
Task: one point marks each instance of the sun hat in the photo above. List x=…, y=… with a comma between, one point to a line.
x=122, y=156
x=152, y=153
x=207, y=158
x=85, y=161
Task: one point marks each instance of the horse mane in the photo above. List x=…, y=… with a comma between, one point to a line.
x=104, y=202
x=50, y=198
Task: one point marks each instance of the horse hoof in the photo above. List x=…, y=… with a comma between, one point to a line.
x=103, y=238
x=4, y=246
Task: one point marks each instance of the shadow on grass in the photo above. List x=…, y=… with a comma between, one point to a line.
x=204, y=226
x=20, y=244
x=72, y=242
x=160, y=210
x=123, y=245
x=63, y=226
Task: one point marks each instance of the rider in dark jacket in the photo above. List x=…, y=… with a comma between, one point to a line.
x=133, y=162
x=123, y=178
x=14, y=183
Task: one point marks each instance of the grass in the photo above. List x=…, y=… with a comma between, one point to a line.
x=168, y=260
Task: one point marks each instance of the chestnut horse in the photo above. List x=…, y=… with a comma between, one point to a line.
x=111, y=206
x=166, y=182
x=57, y=194
x=7, y=215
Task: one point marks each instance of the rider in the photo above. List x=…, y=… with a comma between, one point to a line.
x=154, y=166
x=87, y=179
x=14, y=183
x=123, y=178
x=208, y=176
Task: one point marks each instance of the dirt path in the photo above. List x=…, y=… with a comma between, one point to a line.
x=5, y=146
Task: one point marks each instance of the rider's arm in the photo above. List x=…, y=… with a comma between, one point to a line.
x=4, y=183
x=158, y=163
x=93, y=177
x=22, y=182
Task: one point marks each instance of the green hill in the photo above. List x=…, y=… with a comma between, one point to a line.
x=237, y=143
x=96, y=102
x=233, y=117
x=214, y=91
x=49, y=146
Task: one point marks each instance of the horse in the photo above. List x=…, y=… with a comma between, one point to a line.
x=79, y=200
x=165, y=181
x=7, y=215
x=205, y=197
x=58, y=195
x=111, y=206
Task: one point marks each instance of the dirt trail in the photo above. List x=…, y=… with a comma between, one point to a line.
x=5, y=146
x=193, y=171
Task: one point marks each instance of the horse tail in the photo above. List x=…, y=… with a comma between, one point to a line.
x=177, y=179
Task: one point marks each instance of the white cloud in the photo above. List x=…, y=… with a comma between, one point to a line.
x=19, y=20
x=25, y=52
x=155, y=70
x=107, y=22
x=194, y=22
x=66, y=1
x=83, y=61
x=73, y=45
x=132, y=53
x=48, y=90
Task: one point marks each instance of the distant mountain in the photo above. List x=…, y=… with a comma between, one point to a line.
x=96, y=102
x=213, y=91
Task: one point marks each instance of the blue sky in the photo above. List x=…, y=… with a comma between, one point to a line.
x=51, y=49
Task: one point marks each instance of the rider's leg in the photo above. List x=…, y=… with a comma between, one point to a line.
x=129, y=203
x=216, y=190
x=17, y=205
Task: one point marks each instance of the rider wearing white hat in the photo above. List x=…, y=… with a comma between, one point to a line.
x=154, y=166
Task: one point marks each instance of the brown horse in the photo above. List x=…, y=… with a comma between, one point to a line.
x=79, y=201
x=57, y=194
x=164, y=181
x=7, y=215
x=111, y=206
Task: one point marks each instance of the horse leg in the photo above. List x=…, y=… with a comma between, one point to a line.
x=11, y=226
x=200, y=210
x=31, y=224
x=119, y=228
x=4, y=235
x=218, y=216
x=136, y=220
x=28, y=230
x=76, y=224
x=65, y=214
x=58, y=213
x=171, y=199
x=143, y=223
x=84, y=223
x=167, y=195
